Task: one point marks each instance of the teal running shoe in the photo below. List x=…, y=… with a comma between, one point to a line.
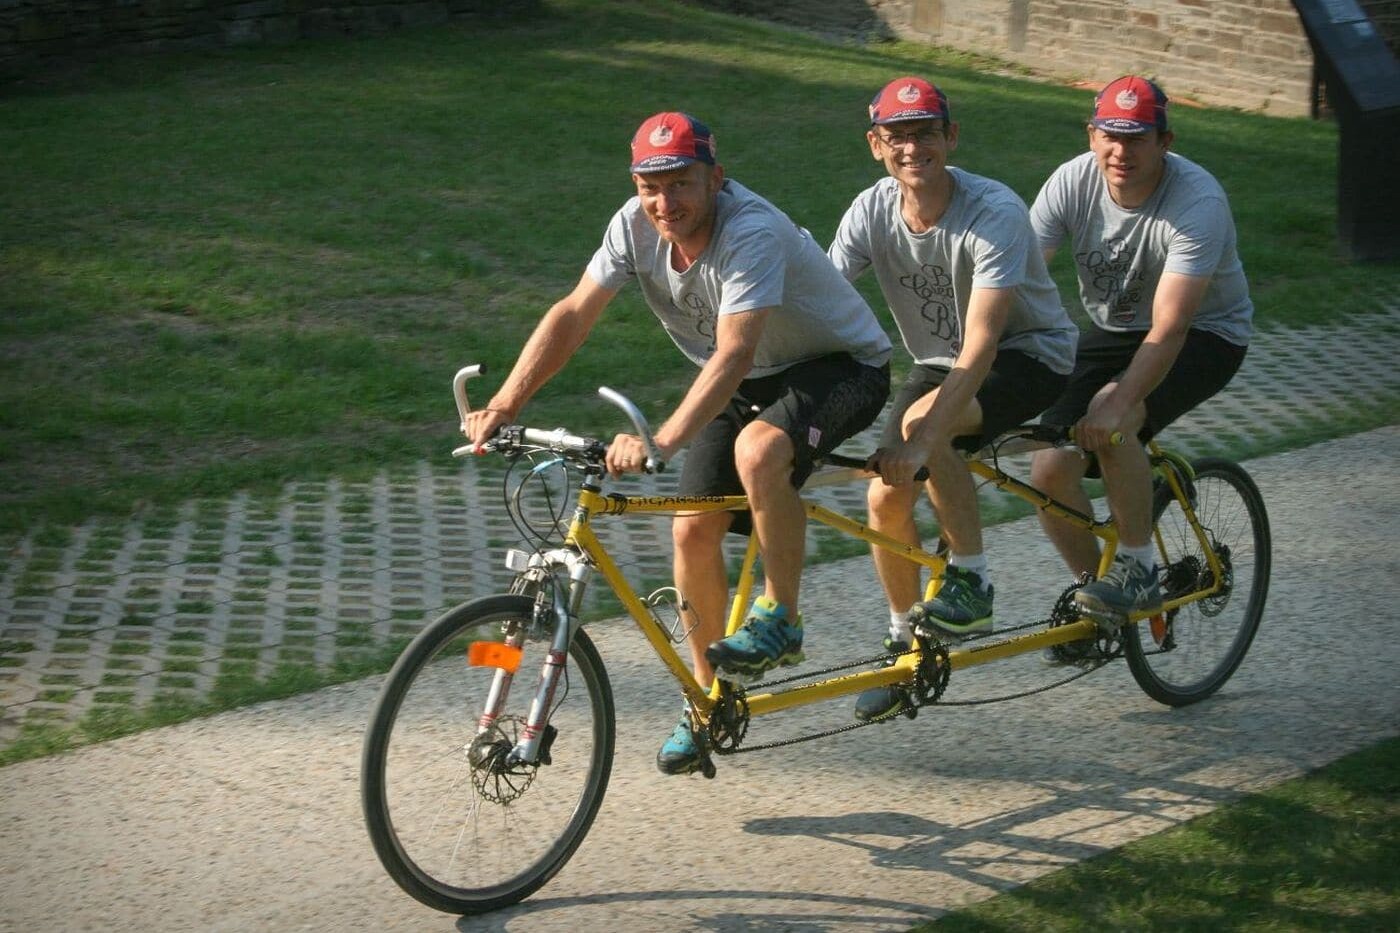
x=680, y=754
x=766, y=641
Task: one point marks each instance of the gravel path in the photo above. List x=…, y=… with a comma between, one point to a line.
x=250, y=820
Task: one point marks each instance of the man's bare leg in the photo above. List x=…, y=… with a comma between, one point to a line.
x=703, y=580
x=1060, y=475
x=764, y=457
x=891, y=511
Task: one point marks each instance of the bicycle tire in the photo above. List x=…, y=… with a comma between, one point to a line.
x=1186, y=655
x=429, y=808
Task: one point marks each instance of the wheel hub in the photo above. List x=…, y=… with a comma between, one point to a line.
x=497, y=776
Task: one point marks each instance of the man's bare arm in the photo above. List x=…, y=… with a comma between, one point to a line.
x=736, y=343
x=1174, y=306
x=555, y=339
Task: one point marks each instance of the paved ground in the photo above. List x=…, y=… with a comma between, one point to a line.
x=177, y=603
x=249, y=820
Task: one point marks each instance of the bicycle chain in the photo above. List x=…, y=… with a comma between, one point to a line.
x=1108, y=647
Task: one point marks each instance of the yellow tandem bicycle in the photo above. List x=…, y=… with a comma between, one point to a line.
x=490, y=747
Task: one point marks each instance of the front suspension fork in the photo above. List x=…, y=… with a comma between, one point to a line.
x=567, y=595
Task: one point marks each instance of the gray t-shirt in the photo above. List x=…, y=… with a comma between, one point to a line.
x=1121, y=253
x=757, y=258
x=983, y=240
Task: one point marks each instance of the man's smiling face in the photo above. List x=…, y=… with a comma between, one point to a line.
x=914, y=152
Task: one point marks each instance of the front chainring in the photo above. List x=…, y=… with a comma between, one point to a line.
x=1103, y=648
x=729, y=720
x=931, y=676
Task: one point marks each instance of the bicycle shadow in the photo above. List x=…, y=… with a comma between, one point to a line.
x=1080, y=808
x=882, y=914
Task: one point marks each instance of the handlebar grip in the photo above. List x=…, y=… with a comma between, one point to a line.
x=634, y=414
x=857, y=463
x=1116, y=438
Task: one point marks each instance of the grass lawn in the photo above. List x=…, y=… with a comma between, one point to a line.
x=1317, y=853
x=222, y=270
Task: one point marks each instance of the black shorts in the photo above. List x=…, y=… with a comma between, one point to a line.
x=818, y=404
x=1202, y=368
x=1017, y=388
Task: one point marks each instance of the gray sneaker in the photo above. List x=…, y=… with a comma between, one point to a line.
x=883, y=702
x=1128, y=588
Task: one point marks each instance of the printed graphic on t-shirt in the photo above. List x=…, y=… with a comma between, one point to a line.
x=934, y=287
x=1115, y=282
x=702, y=316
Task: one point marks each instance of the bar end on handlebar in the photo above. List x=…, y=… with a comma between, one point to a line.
x=654, y=462
x=459, y=391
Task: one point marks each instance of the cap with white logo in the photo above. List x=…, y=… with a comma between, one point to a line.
x=671, y=140
x=1130, y=106
x=908, y=99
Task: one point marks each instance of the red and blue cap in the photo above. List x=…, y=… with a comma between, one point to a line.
x=671, y=140
x=1130, y=106
x=908, y=98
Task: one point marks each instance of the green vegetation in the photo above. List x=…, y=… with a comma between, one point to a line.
x=225, y=269
x=1316, y=853
x=115, y=713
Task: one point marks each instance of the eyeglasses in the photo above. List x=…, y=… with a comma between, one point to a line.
x=924, y=137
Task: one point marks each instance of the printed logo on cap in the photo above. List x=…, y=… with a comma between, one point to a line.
x=908, y=94
x=660, y=136
x=1126, y=99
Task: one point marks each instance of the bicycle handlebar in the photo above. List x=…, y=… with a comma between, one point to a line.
x=561, y=441
x=558, y=440
x=858, y=463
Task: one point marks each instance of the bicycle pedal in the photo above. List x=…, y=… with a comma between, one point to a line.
x=948, y=639
x=1107, y=620
x=935, y=636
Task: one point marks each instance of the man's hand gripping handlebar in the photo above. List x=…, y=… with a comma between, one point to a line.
x=483, y=426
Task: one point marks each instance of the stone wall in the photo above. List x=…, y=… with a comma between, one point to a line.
x=1250, y=54
x=34, y=33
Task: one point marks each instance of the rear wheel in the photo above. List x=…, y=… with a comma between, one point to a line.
x=456, y=823
x=1186, y=654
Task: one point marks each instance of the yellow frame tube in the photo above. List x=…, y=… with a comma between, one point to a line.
x=903, y=668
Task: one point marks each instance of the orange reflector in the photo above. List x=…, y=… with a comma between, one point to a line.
x=1158, y=625
x=494, y=654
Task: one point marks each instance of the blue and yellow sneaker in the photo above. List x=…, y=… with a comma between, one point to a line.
x=962, y=606
x=766, y=641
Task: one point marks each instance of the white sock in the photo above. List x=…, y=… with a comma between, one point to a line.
x=1145, y=555
x=899, y=627
x=977, y=563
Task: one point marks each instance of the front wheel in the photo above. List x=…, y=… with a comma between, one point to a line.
x=457, y=823
x=1186, y=654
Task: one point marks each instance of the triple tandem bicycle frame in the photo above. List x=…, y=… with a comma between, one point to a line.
x=582, y=548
